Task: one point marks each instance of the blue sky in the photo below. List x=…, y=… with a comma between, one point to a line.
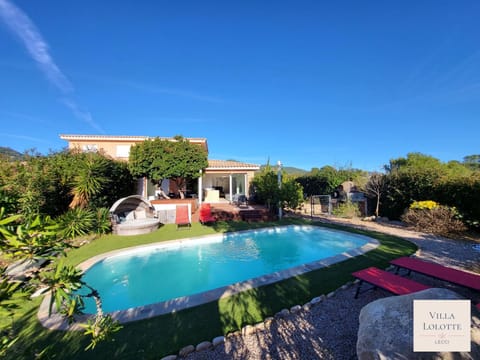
x=310, y=83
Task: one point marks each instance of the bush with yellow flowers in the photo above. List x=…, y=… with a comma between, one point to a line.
x=424, y=205
x=431, y=217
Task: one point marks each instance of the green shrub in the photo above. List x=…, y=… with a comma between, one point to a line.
x=102, y=221
x=431, y=217
x=76, y=222
x=347, y=210
x=464, y=194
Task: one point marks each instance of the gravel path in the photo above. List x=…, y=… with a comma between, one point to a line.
x=329, y=329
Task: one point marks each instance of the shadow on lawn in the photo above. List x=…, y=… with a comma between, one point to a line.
x=45, y=345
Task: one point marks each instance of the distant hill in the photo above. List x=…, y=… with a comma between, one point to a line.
x=288, y=169
x=10, y=153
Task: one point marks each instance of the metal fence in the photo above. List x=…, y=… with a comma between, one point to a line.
x=320, y=205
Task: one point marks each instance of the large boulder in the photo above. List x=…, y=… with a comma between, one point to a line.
x=386, y=329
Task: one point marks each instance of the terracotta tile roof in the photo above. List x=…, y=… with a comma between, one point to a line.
x=229, y=164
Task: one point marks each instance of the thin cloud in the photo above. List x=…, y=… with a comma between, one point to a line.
x=462, y=73
x=23, y=28
x=154, y=89
x=26, y=31
x=81, y=114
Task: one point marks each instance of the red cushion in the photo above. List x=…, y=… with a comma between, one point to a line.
x=206, y=213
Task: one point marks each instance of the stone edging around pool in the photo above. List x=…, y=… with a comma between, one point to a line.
x=56, y=322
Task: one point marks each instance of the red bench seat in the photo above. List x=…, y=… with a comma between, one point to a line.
x=390, y=282
x=441, y=272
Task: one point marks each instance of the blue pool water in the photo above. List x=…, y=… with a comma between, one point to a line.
x=167, y=271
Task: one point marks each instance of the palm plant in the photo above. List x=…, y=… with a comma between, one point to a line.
x=87, y=182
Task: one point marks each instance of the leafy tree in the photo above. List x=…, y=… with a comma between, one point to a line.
x=463, y=193
x=291, y=193
x=320, y=181
x=409, y=179
x=267, y=191
x=413, y=161
x=454, y=169
x=325, y=180
x=402, y=188
x=421, y=177
x=8, y=195
x=265, y=188
x=472, y=162
x=161, y=159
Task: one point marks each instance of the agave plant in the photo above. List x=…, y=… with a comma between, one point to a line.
x=76, y=222
x=102, y=221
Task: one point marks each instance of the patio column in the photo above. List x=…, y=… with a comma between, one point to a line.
x=245, y=180
x=145, y=187
x=230, y=186
x=200, y=190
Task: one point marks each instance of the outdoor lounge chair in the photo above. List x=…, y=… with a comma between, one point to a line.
x=206, y=214
x=438, y=271
x=395, y=284
x=182, y=216
x=240, y=200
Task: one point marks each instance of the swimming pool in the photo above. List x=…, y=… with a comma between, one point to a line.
x=162, y=277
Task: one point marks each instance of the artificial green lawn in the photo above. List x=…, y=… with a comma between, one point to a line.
x=166, y=334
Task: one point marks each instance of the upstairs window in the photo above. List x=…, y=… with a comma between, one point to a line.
x=123, y=151
x=90, y=148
